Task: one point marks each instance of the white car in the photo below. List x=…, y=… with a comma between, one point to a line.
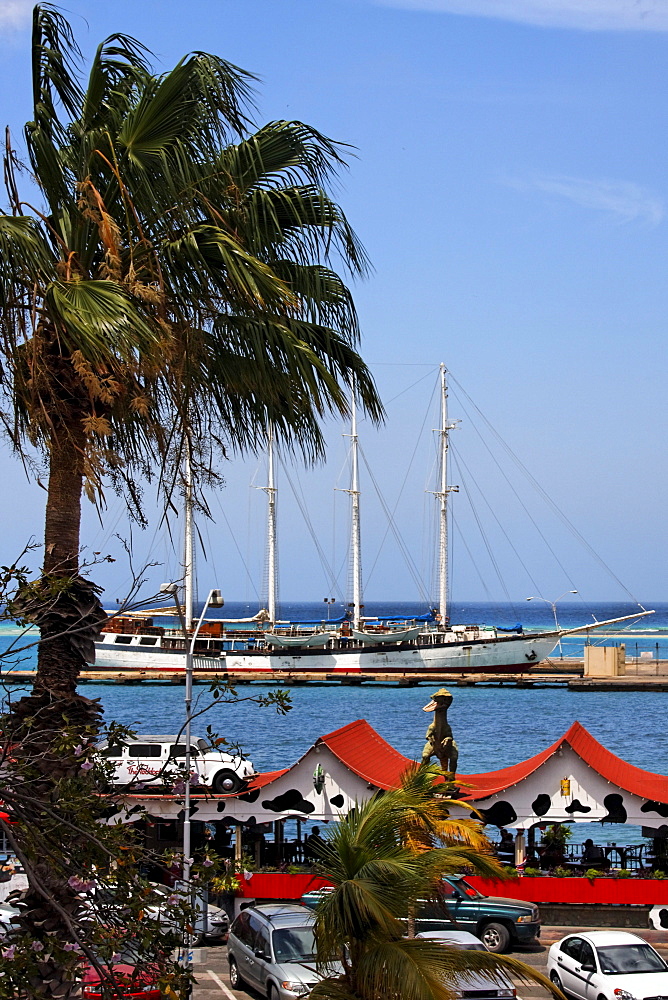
x=152, y=760
x=607, y=965
x=476, y=985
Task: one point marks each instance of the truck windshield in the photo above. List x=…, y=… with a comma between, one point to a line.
x=293, y=944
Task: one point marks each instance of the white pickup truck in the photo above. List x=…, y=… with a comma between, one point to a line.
x=154, y=760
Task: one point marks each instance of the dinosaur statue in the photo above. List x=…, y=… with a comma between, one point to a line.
x=440, y=742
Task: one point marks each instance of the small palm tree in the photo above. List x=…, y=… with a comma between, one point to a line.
x=362, y=921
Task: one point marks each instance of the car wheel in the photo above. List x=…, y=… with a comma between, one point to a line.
x=272, y=992
x=556, y=980
x=235, y=979
x=495, y=937
x=226, y=782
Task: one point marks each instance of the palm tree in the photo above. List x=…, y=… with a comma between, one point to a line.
x=170, y=283
x=174, y=284
x=361, y=922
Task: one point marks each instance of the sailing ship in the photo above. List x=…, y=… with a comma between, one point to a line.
x=349, y=645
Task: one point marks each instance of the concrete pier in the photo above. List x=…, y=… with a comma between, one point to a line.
x=559, y=674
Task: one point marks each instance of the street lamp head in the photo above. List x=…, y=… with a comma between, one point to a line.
x=216, y=600
x=169, y=588
x=572, y=592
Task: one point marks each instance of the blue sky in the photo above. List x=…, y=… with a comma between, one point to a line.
x=509, y=183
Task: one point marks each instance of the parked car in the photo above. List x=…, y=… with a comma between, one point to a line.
x=607, y=965
x=271, y=947
x=212, y=922
x=131, y=981
x=154, y=759
x=499, y=922
x=476, y=985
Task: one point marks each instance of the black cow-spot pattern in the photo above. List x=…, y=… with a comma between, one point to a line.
x=292, y=799
x=614, y=803
x=655, y=807
x=337, y=800
x=500, y=814
x=577, y=807
x=541, y=804
x=250, y=796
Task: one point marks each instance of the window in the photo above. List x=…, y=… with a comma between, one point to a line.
x=179, y=750
x=241, y=929
x=262, y=942
x=258, y=933
x=145, y=750
x=572, y=947
x=148, y=640
x=587, y=955
x=111, y=752
x=125, y=639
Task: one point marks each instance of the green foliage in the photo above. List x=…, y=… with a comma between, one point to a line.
x=623, y=873
x=593, y=873
x=362, y=922
x=560, y=872
x=556, y=835
x=532, y=872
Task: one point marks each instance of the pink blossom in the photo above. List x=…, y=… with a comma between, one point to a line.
x=9, y=952
x=37, y=946
x=78, y=750
x=179, y=787
x=79, y=884
x=207, y=862
x=71, y=946
x=86, y=766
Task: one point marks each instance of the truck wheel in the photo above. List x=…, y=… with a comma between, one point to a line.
x=226, y=782
x=496, y=937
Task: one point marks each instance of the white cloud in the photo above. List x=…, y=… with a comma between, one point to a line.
x=587, y=15
x=15, y=13
x=625, y=201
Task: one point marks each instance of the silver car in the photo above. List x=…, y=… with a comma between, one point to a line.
x=476, y=985
x=272, y=948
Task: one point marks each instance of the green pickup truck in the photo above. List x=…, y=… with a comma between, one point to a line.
x=499, y=923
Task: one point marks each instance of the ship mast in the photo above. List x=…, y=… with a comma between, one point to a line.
x=270, y=490
x=188, y=548
x=442, y=496
x=355, y=541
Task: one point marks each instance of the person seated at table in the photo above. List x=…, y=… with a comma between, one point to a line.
x=506, y=846
x=551, y=856
x=593, y=856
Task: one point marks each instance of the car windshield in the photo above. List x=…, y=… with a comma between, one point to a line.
x=630, y=958
x=294, y=944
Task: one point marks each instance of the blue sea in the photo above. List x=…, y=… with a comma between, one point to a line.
x=494, y=727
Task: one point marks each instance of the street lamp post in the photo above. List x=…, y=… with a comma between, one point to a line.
x=214, y=600
x=553, y=605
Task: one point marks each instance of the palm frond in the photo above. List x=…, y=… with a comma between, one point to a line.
x=99, y=319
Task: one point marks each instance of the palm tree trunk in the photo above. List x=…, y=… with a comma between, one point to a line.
x=63, y=506
x=71, y=614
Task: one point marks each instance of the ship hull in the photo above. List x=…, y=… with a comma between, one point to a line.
x=508, y=654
